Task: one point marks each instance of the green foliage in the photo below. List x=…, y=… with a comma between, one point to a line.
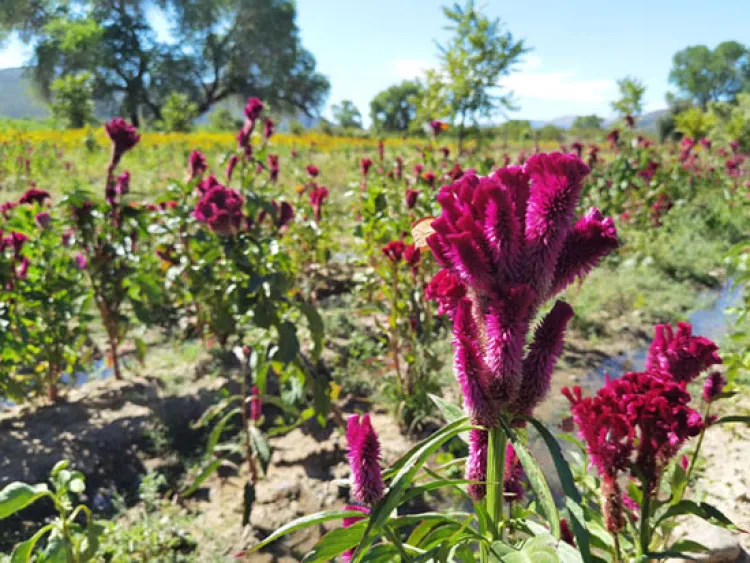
x=732, y=121
x=631, y=97
x=296, y=128
x=395, y=108
x=550, y=133
x=178, y=113
x=347, y=115
x=706, y=75
x=73, y=102
x=479, y=53
x=222, y=119
x=588, y=122
x=694, y=123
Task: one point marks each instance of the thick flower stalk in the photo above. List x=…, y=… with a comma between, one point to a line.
x=364, y=458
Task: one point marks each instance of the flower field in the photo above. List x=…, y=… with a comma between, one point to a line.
x=274, y=347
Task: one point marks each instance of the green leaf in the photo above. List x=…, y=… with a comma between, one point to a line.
x=539, y=549
x=22, y=551
x=77, y=486
x=202, y=476
x=306, y=522
x=572, y=494
x=317, y=328
x=218, y=429
x=537, y=480
x=701, y=509
x=688, y=546
x=401, y=481
x=335, y=543
x=450, y=411
x=261, y=448
x=248, y=499
x=18, y=496
x=733, y=418
x=288, y=343
x=90, y=544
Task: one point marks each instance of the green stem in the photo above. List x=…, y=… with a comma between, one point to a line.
x=645, y=531
x=697, y=451
x=496, y=447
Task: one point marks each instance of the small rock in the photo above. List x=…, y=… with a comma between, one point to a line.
x=723, y=545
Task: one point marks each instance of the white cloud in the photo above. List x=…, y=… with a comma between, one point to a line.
x=408, y=69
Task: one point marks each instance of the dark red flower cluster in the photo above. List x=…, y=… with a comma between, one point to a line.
x=318, y=195
x=221, y=208
x=365, y=165
x=577, y=147
x=394, y=251
x=438, y=127
x=124, y=137
x=648, y=173
x=273, y=167
x=312, y=170
x=197, y=164
x=614, y=138
x=269, y=128
x=410, y=198
x=679, y=355
x=33, y=196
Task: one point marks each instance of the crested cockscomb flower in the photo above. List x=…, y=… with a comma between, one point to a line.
x=705, y=143
x=577, y=147
x=256, y=404
x=233, y=160
x=411, y=198
x=283, y=214
x=43, y=219
x=394, y=251
x=346, y=557
x=514, y=476
x=412, y=255
x=312, y=170
x=713, y=387
x=630, y=121
x=455, y=172
x=648, y=173
x=429, y=178
x=614, y=138
x=510, y=241
x=399, y=168
x=122, y=187
x=476, y=464
x=438, y=127
x=124, y=137
x=364, y=165
x=318, y=196
x=207, y=183
x=80, y=261
x=364, y=458
x=16, y=241
x=418, y=167
x=273, y=167
x=22, y=268
x=253, y=108
x=566, y=534
x=679, y=354
x=34, y=195
x=221, y=208
x=447, y=290
x=446, y=152
x=197, y=164
x=269, y=127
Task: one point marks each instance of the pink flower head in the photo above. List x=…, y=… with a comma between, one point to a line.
x=476, y=464
x=510, y=237
x=43, y=219
x=346, y=557
x=614, y=138
x=123, y=183
x=394, y=251
x=365, y=165
x=577, y=147
x=566, y=534
x=447, y=289
x=33, y=196
x=687, y=144
x=253, y=109
x=705, y=143
x=80, y=261
x=411, y=198
x=312, y=170
x=7, y=207
x=22, y=268
x=429, y=177
x=273, y=167
x=713, y=387
x=221, y=208
x=15, y=240
x=455, y=172
x=735, y=146
x=318, y=196
x=256, y=404
x=399, y=169
x=648, y=173
x=269, y=127
x=630, y=121
x=207, y=183
x=680, y=355
x=197, y=164
x=364, y=457
x=284, y=213
x=243, y=137
x=233, y=160
x=446, y=152
x=438, y=127
x=418, y=167
x=514, y=476
x=123, y=136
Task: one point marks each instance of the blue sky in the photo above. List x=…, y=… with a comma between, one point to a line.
x=579, y=47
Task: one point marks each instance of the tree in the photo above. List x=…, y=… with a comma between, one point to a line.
x=707, y=76
x=694, y=123
x=588, y=122
x=179, y=113
x=347, y=115
x=216, y=50
x=631, y=97
x=395, y=108
x=473, y=61
x=73, y=100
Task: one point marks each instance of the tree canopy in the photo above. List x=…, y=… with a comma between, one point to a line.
x=631, y=97
x=395, y=108
x=704, y=75
x=588, y=122
x=215, y=50
x=347, y=115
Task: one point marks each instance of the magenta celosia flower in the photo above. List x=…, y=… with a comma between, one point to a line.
x=34, y=195
x=243, y=137
x=514, y=476
x=510, y=238
x=412, y=255
x=22, y=268
x=614, y=138
x=630, y=121
x=680, y=355
x=16, y=240
x=446, y=152
x=447, y=290
x=233, y=160
x=456, y=172
x=566, y=534
x=684, y=462
x=43, y=219
x=714, y=385
x=7, y=207
x=253, y=109
x=438, y=127
x=124, y=137
x=364, y=457
x=365, y=165
x=705, y=143
x=207, y=183
x=273, y=167
x=269, y=127
x=122, y=187
x=593, y=156
x=197, y=164
x=346, y=557
x=221, y=208
x=410, y=197
x=81, y=261
x=318, y=195
x=66, y=237
x=418, y=169
x=429, y=177
x=399, y=169
x=476, y=464
x=394, y=251
x=256, y=404
x=648, y=173
x=577, y=147
x=312, y=170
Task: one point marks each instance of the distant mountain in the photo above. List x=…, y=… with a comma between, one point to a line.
x=646, y=122
x=17, y=96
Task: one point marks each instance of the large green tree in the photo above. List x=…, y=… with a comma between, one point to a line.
x=215, y=50
x=704, y=75
x=395, y=108
x=479, y=53
x=346, y=115
x=630, y=101
x=588, y=122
